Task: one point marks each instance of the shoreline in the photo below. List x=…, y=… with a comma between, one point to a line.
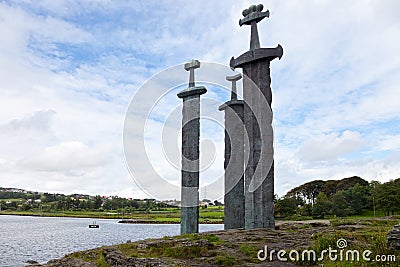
x=131, y=221
x=122, y=221
x=239, y=247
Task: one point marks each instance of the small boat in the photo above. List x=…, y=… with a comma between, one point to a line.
x=94, y=225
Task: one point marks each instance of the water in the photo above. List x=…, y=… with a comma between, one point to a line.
x=41, y=239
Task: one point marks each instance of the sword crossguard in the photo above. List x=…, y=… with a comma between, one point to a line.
x=191, y=66
x=234, y=79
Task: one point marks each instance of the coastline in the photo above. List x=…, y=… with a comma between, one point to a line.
x=239, y=247
x=161, y=220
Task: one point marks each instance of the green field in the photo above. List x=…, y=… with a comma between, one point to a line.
x=167, y=215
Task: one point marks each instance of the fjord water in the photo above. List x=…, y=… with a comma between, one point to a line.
x=41, y=239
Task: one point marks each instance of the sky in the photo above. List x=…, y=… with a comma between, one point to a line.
x=74, y=74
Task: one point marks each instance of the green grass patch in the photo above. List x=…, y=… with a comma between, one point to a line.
x=185, y=252
x=213, y=239
x=91, y=256
x=250, y=251
x=371, y=236
x=129, y=250
x=192, y=237
x=222, y=260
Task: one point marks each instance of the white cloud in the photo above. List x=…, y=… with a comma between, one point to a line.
x=70, y=68
x=330, y=147
x=65, y=157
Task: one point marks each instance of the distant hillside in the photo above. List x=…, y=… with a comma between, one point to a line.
x=345, y=197
x=310, y=190
x=2, y=189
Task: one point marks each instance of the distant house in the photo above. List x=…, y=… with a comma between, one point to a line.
x=204, y=204
x=172, y=202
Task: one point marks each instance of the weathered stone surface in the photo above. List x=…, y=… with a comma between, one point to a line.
x=234, y=165
x=259, y=171
x=190, y=152
x=191, y=66
x=70, y=262
x=234, y=160
x=114, y=257
x=393, y=238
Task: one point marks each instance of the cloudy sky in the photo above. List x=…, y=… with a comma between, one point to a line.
x=70, y=71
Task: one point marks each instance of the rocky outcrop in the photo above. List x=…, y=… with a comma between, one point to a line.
x=114, y=257
x=235, y=247
x=393, y=238
x=63, y=262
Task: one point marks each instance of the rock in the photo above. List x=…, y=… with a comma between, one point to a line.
x=70, y=262
x=31, y=262
x=114, y=257
x=393, y=238
x=319, y=224
x=146, y=262
x=351, y=228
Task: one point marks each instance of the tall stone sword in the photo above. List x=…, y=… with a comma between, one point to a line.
x=234, y=159
x=190, y=151
x=257, y=95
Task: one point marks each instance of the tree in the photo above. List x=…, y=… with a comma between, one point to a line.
x=322, y=206
x=351, y=201
x=340, y=205
x=306, y=209
x=96, y=203
x=329, y=188
x=217, y=203
x=358, y=198
x=350, y=182
x=308, y=191
x=388, y=196
x=286, y=206
x=332, y=186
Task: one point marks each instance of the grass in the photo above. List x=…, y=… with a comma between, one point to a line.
x=367, y=214
x=225, y=260
x=372, y=236
x=95, y=256
x=250, y=251
x=213, y=239
x=217, y=250
x=188, y=252
x=211, y=214
x=173, y=249
x=168, y=250
x=12, y=199
x=169, y=215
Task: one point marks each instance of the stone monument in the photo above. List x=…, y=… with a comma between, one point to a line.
x=257, y=96
x=190, y=152
x=234, y=159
